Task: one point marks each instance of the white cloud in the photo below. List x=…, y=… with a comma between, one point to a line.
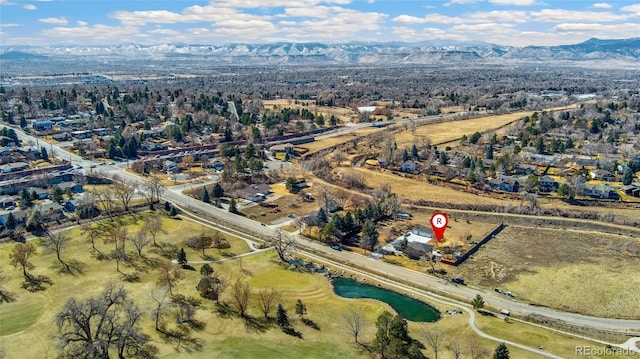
x=613, y=30
x=317, y=11
x=371, y=1
x=163, y=32
x=514, y=2
x=561, y=15
x=29, y=7
x=460, y=2
x=54, y=20
x=9, y=25
x=602, y=5
x=632, y=8
x=82, y=23
x=6, y=2
x=475, y=17
x=103, y=34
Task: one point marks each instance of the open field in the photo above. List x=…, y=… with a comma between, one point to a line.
x=453, y=130
x=413, y=189
x=326, y=142
x=571, y=270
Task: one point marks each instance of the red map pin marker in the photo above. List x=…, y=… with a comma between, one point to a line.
x=439, y=222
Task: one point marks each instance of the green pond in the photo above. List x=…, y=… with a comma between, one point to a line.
x=409, y=308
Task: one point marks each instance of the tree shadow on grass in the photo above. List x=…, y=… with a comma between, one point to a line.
x=292, y=332
x=310, y=323
x=224, y=310
x=256, y=324
x=36, y=283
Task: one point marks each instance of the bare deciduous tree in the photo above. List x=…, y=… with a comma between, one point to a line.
x=93, y=234
x=240, y=291
x=475, y=349
x=268, y=299
x=153, y=225
x=141, y=240
x=455, y=346
x=434, y=339
x=353, y=320
x=20, y=255
x=55, y=242
x=169, y=276
x=154, y=188
x=123, y=191
x=99, y=326
x=282, y=243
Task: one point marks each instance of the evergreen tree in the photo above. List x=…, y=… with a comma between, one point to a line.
x=282, y=317
x=477, y=302
x=232, y=206
x=501, y=352
x=182, y=257
x=173, y=211
x=627, y=176
x=348, y=222
x=206, y=270
x=11, y=222
x=301, y=308
x=442, y=158
x=217, y=191
x=205, y=195
x=25, y=199
x=414, y=152
x=369, y=235
x=321, y=217
x=489, y=154
x=43, y=154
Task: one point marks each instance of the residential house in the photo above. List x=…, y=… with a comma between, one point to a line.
x=417, y=250
x=19, y=215
x=603, y=191
x=632, y=190
x=548, y=184
x=170, y=166
x=506, y=184
x=7, y=202
x=256, y=193
x=603, y=175
x=14, y=167
x=41, y=193
x=525, y=169
x=409, y=166
x=45, y=125
x=75, y=187
x=282, y=148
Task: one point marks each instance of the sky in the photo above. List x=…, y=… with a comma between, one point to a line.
x=218, y=22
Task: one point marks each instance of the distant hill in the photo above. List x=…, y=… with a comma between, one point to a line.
x=19, y=55
x=347, y=53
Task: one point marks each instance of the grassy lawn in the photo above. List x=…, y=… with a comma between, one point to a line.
x=27, y=326
x=555, y=343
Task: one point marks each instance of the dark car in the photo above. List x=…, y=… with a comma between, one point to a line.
x=457, y=280
x=337, y=248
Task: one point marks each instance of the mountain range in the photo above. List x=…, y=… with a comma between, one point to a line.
x=348, y=53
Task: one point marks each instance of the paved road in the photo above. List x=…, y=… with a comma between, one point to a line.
x=386, y=269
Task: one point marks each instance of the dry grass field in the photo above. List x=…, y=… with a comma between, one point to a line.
x=413, y=189
x=453, y=130
x=587, y=272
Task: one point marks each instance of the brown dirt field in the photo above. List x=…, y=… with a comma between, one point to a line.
x=335, y=140
x=287, y=204
x=587, y=272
